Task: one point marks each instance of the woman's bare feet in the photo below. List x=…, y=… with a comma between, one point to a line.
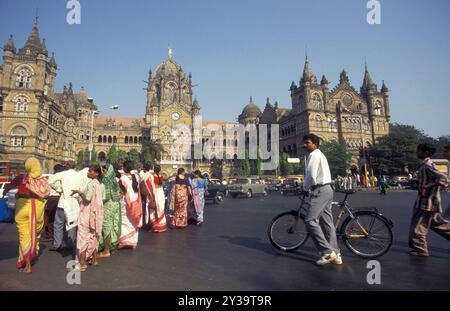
x=103, y=254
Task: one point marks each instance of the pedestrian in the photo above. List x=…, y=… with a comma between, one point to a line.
x=447, y=156
x=112, y=218
x=180, y=196
x=319, y=218
x=427, y=212
x=51, y=206
x=131, y=208
x=383, y=186
x=68, y=209
x=90, y=221
x=199, y=187
x=29, y=212
x=156, y=201
x=146, y=173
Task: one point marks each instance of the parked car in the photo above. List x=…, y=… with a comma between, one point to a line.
x=216, y=191
x=290, y=186
x=2, y=187
x=248, y=187
x=399, y=181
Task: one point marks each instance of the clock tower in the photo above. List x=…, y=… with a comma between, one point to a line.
x=170, y=107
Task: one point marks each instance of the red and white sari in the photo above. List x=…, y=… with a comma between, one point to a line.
x=131, y=206
x=156, y=203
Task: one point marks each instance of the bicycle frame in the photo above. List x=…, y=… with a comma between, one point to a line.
x=345, y=209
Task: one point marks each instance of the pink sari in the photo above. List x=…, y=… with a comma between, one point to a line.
x=90, y=222
x=156, y=204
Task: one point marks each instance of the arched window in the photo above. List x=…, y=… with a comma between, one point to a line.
x=378, y=109
x=21, y=104
x=126, y=139
x=23, y=78
x=109, y=139
x=317, y=102
x=135, y=140
x=318, y=121
x=99, y=139
x=18, y=135
x=115, y=139
x=1, y=104
x=81, y=135
x=104, y=139
x=101, y=156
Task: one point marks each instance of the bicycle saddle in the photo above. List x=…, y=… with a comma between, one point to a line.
x=351, y=191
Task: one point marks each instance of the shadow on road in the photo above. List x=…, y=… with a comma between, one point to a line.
x=255, y=243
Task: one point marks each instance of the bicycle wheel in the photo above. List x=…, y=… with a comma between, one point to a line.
x=368, y=235
x=287, y=231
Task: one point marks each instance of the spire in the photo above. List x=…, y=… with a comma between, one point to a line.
x=33, y=42
x=343, y=77
x=149, y=75
x=367, y=82
x=276, y=105
x=308, y=75
x=9, y=46
x=52, y=61
x=251, y=100
x=44, y=48
x=324, y=80
x=384, y=88
x=293, y=85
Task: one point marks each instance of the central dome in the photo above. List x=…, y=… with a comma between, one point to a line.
x=251, y=111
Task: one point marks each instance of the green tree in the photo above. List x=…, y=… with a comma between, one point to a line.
x=285, y=167
x=112, y=157
x=244, y=165
x=392, y=153
x=134, y=156
x=338, y=156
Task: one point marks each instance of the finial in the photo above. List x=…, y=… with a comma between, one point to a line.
x=251, y=99
x=169, y=52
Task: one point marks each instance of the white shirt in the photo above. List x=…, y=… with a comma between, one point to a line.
x=317, y=170
x=68, y=180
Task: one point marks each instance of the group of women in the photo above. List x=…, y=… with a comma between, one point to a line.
x=113, y=207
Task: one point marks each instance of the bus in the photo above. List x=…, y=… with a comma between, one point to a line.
x=10, y=169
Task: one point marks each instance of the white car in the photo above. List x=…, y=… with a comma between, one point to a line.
x=2, y=187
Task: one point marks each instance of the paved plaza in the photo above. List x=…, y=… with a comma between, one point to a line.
x=231, y=251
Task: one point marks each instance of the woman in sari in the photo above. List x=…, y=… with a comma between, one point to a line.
x=29, y=214
x=180, y=196
x=198, y=191
x=112, y=213
x=156, y=200
x=90, y=221
x=131, y=207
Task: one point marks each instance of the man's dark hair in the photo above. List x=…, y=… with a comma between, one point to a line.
x=58, y=168
x=314, y=139
x=70, y=165
x=127, y=166
x=147, y=167
x=447, y=148
x=429, y=149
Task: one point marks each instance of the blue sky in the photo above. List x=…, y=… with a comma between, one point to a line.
x=237, y=49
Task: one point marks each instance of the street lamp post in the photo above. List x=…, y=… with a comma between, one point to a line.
x=91, y=141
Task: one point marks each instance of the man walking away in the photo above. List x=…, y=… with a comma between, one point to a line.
x=319, y=218
x=447, y=156
x=427, y=212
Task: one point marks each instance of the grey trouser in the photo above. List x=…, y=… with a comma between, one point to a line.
x=59, y=229
x=421, y=222
x=319, y=220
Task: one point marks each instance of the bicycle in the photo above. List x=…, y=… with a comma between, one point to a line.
x=366, y=232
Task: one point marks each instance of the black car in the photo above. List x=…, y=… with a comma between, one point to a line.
x=290, y=187
x=216, y=192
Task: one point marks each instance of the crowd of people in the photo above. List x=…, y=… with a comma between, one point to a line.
x=99, y=209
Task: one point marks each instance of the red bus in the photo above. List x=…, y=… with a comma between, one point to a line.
x=10, y=169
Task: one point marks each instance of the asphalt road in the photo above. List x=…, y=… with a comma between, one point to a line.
x=231, y=252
